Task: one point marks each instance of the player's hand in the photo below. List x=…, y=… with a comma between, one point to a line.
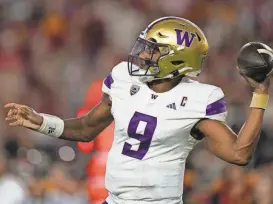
x=261, y=88
x=21, y=115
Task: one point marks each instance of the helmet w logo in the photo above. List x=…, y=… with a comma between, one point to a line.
x=184, y=37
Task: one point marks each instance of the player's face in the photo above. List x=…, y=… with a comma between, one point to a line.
x=146, y=55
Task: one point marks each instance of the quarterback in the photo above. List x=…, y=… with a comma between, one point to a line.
x=160, y=115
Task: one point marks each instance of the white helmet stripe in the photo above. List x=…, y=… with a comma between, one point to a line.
x=265, y=51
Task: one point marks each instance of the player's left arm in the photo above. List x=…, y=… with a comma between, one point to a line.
x=224, y=143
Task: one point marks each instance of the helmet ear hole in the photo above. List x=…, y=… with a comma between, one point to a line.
x=178, y=62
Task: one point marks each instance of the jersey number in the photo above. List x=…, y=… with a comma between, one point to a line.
x=145, y=138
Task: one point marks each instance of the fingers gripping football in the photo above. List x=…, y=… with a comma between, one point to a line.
x=261, y=87
x=21, y=115
x=255, y=64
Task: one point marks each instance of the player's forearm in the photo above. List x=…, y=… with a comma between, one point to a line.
x=246, y=141
x=76, y=130
x=83, y=129
x=249, y=134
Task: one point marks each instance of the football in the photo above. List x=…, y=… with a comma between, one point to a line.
x=255, y=60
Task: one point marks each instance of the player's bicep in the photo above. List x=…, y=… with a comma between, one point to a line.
x=100, y=116
x=87, y=127
x=219, y=139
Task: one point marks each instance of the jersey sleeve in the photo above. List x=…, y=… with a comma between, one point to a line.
x=216, y=106
x=107, y=83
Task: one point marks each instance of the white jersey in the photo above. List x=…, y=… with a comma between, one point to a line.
x=152, y=136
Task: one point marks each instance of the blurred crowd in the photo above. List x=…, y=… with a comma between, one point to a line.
x=53, y=56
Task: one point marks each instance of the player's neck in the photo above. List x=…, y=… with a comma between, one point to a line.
x=160, y=86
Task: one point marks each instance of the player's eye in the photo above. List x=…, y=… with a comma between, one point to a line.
x=151, y=49
x=147, y=49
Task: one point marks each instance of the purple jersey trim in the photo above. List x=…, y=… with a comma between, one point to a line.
x=216, y=107
x=108, y=81
x=105, y=202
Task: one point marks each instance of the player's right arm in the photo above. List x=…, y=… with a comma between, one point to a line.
x=84, y=128
x=224, y=143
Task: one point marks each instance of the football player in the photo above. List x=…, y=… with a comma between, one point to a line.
x=159, y=114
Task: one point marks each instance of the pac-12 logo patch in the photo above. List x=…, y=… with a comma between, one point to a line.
x=134, y=89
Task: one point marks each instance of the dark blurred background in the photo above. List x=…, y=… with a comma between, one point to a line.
x=54, y=55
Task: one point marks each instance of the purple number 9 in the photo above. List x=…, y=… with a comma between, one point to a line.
x=145, y=138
